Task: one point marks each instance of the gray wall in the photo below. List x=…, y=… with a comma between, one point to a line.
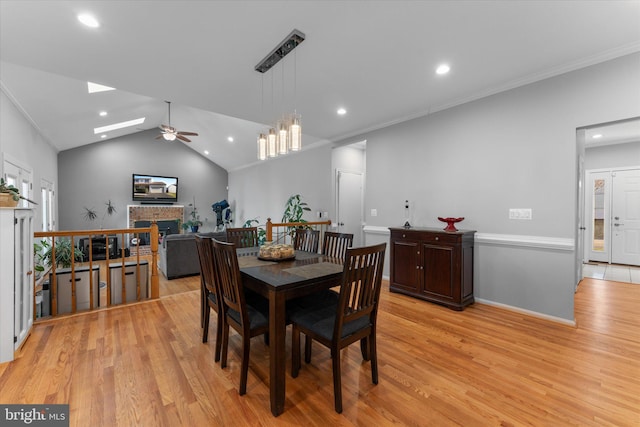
x=515, y=149
x=22, y=142
x=613, y=156
x=262, y=190
x=92, y=174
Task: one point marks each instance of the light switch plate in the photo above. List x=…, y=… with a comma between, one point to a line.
x=520, y=214
x=374, y=212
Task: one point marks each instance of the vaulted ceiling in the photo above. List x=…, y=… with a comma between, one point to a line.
x=376, y=59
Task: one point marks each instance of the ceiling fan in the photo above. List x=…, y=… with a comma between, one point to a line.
x=170, y=133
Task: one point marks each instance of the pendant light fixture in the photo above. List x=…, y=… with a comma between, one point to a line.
x=272, y=143
x=287, y=134
x=262, y=146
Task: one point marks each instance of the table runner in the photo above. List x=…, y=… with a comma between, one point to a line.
x=252, y=261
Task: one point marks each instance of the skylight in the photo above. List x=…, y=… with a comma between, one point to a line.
x=88, y=20
x=95, y=87
x=118, y=125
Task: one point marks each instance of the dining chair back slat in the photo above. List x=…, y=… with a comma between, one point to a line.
x=243, y=237
x=307, y=240
x=336, y=244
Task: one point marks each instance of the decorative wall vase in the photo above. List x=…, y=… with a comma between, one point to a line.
x=450, y=223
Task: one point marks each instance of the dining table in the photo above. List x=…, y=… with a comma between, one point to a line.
x=280, y=281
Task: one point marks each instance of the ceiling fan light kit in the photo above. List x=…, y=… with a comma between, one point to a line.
x=287, y=134
x=169, y=133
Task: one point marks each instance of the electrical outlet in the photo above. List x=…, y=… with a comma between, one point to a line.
x=374, y=212
x=520, y=214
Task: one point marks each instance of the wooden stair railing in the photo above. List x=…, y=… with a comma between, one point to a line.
x=155, y=283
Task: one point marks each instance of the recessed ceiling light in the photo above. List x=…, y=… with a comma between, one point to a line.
x=119, y=125
x=95, y=87
x=597, y=136
x=88, y=20
x=341, y=111
x=442, y=69
x=103, y=113
x=206, y=152
x=230, y=139
x=103, y=136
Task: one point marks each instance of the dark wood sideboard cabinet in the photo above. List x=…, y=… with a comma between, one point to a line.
x=433, y=264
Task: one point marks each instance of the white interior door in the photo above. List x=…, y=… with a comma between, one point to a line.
x=625, y=217
x=23, y=284
x=597, y=224
x=350, y=204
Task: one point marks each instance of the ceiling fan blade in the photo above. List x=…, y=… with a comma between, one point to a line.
x=182, y=138
x=158, y=137
x=188, y=133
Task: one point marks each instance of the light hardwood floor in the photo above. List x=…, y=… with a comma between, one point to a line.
x=145, y=365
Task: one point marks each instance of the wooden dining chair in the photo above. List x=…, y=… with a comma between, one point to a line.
x=336, y=244
x=353, y=318
x=249, y=320
x=307, y=240
x=243, y=237
x=210, y=299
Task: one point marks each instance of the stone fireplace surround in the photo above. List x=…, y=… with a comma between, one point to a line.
x=153, y=213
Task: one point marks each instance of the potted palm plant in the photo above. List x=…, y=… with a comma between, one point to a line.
x=64, y=251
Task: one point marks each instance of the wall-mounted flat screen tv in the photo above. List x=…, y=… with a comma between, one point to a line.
x=155, y=188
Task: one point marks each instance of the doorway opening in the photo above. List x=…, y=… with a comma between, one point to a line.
x=608, y=214
x=349, y=167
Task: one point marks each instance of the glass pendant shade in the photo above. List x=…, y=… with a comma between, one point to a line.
x=283, y=145
x=169, y=136
x=272, y=143
x=295, y=133
x=262, y=146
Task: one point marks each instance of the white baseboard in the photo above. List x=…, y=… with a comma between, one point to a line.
x=527, y=312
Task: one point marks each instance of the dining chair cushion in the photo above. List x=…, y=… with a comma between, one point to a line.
x=212, y=297
x=257, y=318
x=322, y=320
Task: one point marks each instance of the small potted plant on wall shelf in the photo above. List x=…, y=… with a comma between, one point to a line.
x=193, y=222
x=10, y=195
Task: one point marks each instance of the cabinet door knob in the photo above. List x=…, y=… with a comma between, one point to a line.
x=437, y=238
x=404, y=235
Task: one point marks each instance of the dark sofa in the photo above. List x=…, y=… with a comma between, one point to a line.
x=178, y=255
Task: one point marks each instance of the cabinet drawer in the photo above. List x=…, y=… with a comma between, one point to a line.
x=441, y=238
x=406, y=235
